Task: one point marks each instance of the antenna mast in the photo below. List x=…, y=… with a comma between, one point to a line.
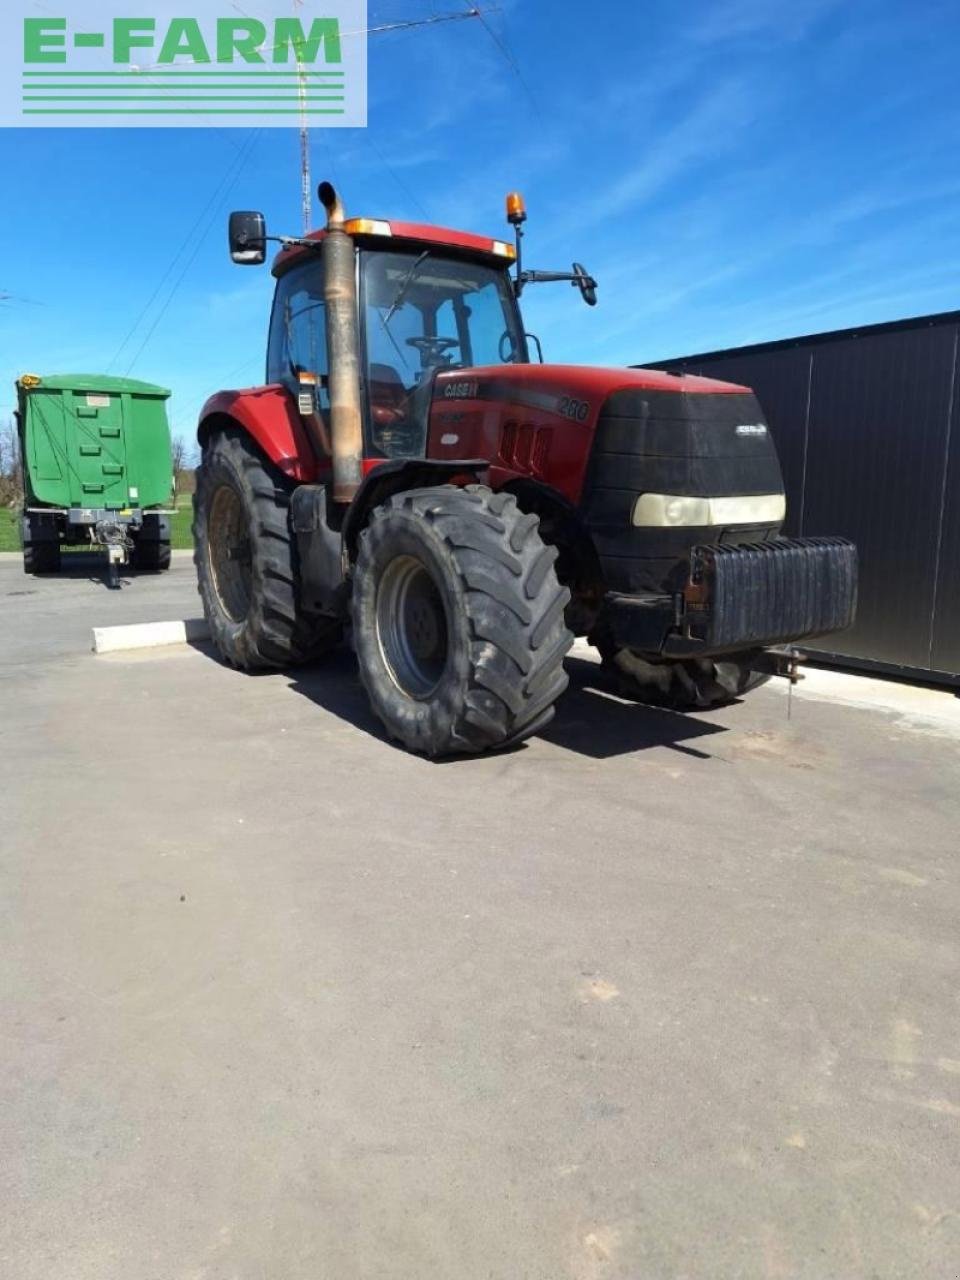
x=306, y=182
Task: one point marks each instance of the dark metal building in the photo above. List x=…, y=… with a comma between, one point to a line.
x=867, y=423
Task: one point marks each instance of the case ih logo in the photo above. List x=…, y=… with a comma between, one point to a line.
x=99, y=63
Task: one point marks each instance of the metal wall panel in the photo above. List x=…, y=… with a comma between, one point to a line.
x=879, y=410
x=868, y=427
x=945, y=655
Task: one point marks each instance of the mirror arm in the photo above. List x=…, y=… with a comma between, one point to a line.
x=577, y=277
x=551, y=277
x=286, y=242
x=295, y=242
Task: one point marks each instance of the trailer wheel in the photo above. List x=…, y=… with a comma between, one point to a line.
x=458, y=620
x=688, y=685
x=246, y=560
x=151, y=551
x=152, y=557
x=41, y=557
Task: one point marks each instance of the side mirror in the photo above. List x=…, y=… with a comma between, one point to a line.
x=586, y=284
x=248, y=239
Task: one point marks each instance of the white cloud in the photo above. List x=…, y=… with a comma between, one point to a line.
x=774, y=20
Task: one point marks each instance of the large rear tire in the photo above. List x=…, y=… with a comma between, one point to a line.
x=246, y=558
x=458, y=620
x=693, y=684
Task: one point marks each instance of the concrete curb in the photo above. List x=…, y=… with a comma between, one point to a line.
x=149, y=635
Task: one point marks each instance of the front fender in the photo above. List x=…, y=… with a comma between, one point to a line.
x=397, y=475
x=270, y=416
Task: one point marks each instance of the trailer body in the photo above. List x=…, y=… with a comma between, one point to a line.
x=97, y=468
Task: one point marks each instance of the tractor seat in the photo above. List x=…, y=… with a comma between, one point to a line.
x=388, y=395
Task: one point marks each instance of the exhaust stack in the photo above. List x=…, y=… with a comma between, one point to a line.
x=343, y=348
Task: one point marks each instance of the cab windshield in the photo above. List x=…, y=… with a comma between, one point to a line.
x=423, y=313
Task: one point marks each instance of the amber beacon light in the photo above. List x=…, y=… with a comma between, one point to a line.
x=516, y=209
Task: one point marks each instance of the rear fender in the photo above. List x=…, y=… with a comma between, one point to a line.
x=270, y=417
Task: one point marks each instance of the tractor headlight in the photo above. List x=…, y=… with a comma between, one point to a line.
x=667, y=511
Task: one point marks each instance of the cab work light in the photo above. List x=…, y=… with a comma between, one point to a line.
x=367, y=227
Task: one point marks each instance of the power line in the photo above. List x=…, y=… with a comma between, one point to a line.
x=406, y=25
x=238, y=161
x=403, y=24
x=396, y=177
x=508, y=55
x=184, y=417
x=239, y=167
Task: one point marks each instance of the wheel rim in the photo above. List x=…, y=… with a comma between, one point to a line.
x=231, y=562
x=412, y=627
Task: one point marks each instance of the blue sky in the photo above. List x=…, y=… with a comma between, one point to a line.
x=731, y=171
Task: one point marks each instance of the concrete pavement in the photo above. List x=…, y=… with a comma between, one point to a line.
x=655, y=996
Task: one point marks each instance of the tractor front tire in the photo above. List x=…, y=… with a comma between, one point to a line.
x=693, y=684
x=247, y=564
x=458, y=620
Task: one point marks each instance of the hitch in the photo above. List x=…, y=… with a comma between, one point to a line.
x=112, y=535
x=785, y=663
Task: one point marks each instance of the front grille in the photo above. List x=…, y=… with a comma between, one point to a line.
x=771, y=592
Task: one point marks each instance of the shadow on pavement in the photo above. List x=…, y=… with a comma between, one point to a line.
x=594, y=721
x=590, y=720
x=90, y=566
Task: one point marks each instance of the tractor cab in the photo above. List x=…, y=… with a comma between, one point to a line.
x=424, y=307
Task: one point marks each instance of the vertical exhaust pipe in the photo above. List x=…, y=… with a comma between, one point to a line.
x=343, y=348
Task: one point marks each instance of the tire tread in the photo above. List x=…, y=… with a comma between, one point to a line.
x=276, y=633
x=514, y=604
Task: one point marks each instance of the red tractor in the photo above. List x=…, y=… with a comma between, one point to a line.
x=409, y=472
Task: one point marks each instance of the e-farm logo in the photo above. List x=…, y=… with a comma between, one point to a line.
x=272, y=63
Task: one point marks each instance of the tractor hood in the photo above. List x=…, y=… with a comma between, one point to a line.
x=556, y=424
x=575, y=392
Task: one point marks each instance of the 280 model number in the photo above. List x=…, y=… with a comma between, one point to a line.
x=576, y=410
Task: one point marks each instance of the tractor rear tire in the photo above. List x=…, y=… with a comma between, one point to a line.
x=41, y=557
x=247, y=563
x=458, y=620
x=692, y=684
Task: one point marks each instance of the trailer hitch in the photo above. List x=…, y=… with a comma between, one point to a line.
x=112, y=535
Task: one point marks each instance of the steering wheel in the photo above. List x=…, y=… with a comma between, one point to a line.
x=508, y=348
x=433, y=347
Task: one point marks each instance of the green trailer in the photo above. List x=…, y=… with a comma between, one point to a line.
x=97, y=470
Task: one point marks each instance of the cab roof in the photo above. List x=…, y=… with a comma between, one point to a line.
x=384, y=233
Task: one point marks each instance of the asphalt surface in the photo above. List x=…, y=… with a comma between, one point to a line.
x=654, y=996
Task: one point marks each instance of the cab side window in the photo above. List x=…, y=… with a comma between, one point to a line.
x=298, y=332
